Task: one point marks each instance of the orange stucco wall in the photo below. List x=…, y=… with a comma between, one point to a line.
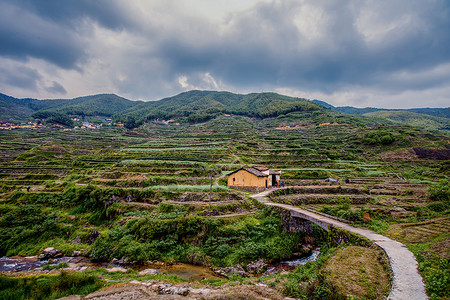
x=246, y=179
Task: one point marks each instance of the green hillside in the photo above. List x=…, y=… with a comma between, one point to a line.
x=103, y=104
x=414, y=119
x=14, y=110
x=203, y=103
x=200, y=106
x=436, y=112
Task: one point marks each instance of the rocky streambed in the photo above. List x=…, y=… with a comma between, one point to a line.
x=52, y=259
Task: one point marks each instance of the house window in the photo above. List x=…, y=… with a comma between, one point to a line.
x=234, y=179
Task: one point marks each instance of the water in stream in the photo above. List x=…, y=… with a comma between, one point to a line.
x=185, y=271
x=291, y=264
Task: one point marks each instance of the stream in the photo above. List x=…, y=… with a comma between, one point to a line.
x=185, y=271
x=292, y=264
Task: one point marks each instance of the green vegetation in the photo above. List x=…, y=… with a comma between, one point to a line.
x=48, y=286
x=146, y=189
x=414, y=119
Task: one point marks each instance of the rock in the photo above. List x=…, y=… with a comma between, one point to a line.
x=228, y=271
x=76, y=253
x=122, y=261
x=169, y=289
x=149, y=272
x=94, y=235
x=332, y=180
x=76, y=240
x=155, y=262
x=125, y=261
x=50, y=252
x=115, y=261
x=256, y=266
x=116, y=269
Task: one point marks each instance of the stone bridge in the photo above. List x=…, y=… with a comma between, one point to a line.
x=406, y=283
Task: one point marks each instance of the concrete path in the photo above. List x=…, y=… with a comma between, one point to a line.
x=407, y=284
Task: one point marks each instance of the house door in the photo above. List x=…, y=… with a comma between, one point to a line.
x=274, y=180
x=266, y=183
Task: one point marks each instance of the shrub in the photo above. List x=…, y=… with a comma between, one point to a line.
x=440, y=191
x=378, y=137
x=48, y=286
x=281, y=247
x=250, y=250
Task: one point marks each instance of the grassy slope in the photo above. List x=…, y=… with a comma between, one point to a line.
x=146, y=163
x=414, y=119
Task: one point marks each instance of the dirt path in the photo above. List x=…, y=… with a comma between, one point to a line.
x=407, y=283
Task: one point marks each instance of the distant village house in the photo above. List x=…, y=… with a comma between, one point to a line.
x=254, y=178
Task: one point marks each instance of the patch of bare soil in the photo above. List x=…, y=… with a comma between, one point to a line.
x=405, y=155
x=442, y=248
x=161, y=290
x=436, y=154
x=357, y=272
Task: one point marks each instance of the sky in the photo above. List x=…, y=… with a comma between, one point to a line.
x=378, y=53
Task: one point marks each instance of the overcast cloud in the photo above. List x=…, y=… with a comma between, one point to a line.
x=392, y=54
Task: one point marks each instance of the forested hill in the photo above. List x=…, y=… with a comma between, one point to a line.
x=424, y=118
x=194, y=105
x=198, y=106
x=15, y=110
x=435, y=112
x=201, y=104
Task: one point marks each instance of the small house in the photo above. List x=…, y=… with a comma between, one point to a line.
x=253, y=178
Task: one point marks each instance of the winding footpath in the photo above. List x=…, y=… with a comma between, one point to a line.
x=407, y=284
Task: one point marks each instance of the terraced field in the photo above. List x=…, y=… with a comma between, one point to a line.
x=148, y=191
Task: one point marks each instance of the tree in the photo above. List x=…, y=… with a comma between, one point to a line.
x=130, y=123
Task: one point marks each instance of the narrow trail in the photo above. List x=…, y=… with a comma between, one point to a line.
x=407, y=284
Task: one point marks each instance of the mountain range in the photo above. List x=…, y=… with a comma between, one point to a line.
x=197, y=106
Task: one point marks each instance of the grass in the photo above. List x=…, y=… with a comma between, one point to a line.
x=48, y=286
x=357, y=272
x=68, y=173
x=188, y=188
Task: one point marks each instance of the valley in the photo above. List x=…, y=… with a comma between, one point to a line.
x=146, y=190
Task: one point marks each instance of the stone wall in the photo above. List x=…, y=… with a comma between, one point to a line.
x=293, y=225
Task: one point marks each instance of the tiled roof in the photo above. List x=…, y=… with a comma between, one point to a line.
x=250, y=170
x=260, y=168
x=254, y=171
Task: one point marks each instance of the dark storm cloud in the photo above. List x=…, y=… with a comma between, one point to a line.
x=70, y=12
x=151, y=49
x=264, y=47
x=53, y=30
x=56, y=88
x=20, y=77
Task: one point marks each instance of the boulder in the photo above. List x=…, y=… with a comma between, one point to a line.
x=149, y=272
x=169, y=289
x=116, y=269
x=76, y=253
x=50, y=252
x=228, y=271
x=332, y=180
x=256, y=266
x=93, y=236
